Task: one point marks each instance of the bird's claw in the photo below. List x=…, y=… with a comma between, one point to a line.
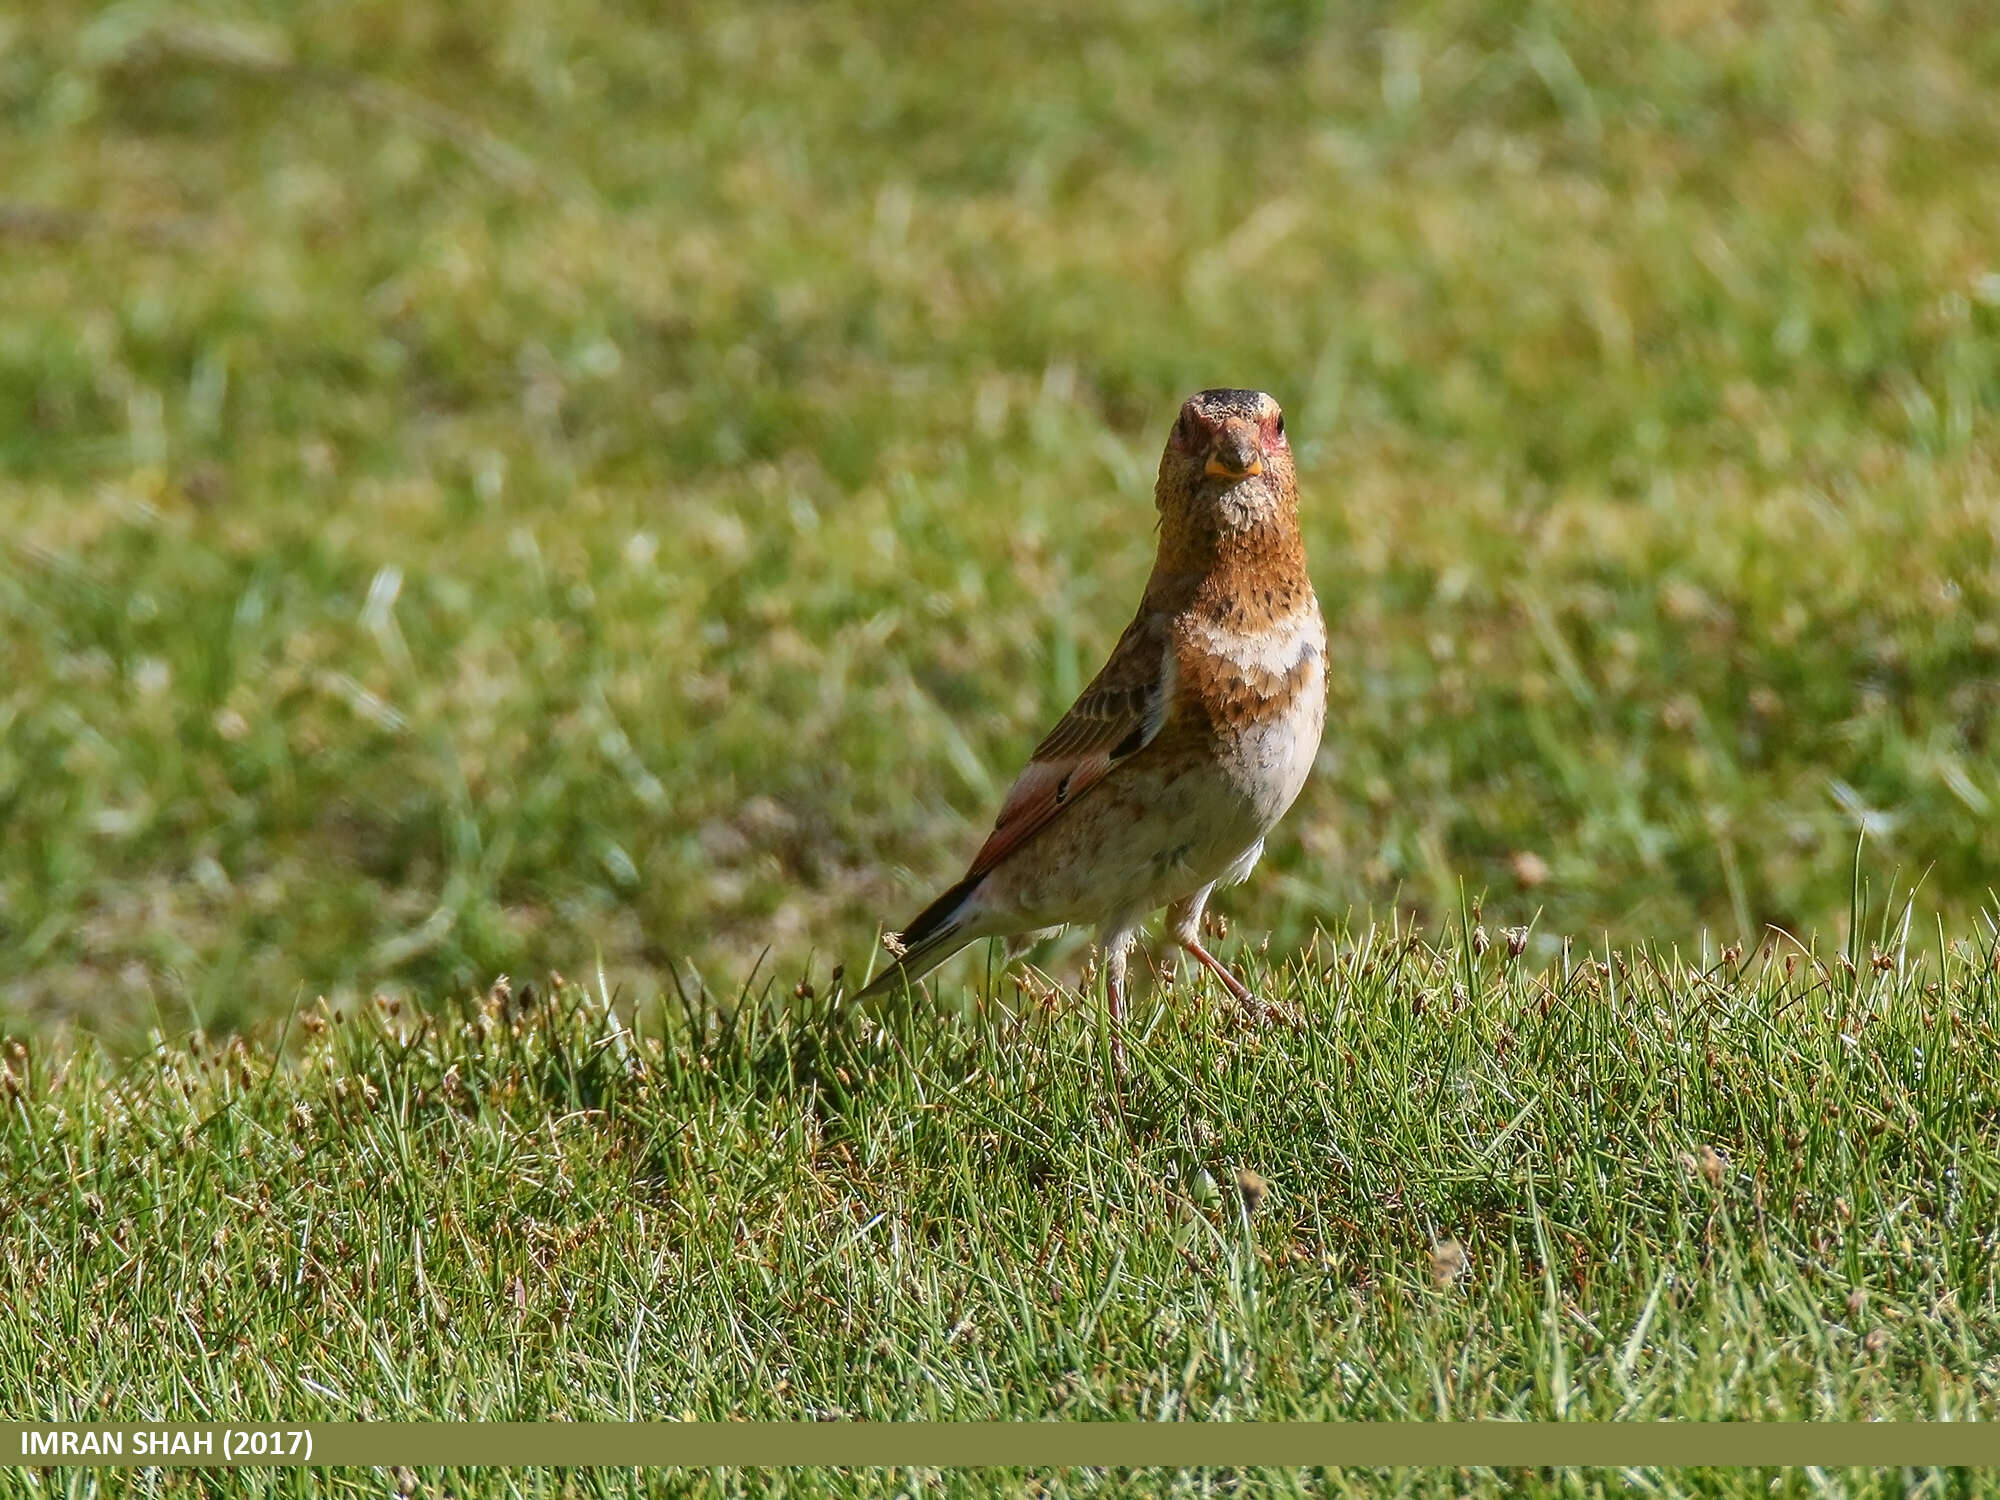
x=1262, y=1013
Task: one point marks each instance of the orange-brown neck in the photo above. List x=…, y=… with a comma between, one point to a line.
x=1240, y=565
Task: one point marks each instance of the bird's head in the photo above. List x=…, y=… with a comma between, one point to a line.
x=1227, y=465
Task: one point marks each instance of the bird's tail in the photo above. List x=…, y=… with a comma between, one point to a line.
x=939, y=931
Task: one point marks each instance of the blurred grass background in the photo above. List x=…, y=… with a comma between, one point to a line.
x=486, y=488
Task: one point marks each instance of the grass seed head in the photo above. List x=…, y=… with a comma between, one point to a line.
x=1530, y=869
x=1251, y=1188
x=1712, y=1165
x=1448, y=1261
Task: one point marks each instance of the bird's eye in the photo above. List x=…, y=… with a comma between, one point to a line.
x=1281, y=424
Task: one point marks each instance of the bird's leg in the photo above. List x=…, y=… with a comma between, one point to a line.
x=1238, y=990
x=1184, y=923
x=1117, y=958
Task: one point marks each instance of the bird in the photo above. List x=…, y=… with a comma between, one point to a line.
x=1164, y=779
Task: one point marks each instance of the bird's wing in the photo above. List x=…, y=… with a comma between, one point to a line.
x=1117, y=716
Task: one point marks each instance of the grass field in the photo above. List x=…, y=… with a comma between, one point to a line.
x=1463, y=1188
x=562, y=487
x=486, y=494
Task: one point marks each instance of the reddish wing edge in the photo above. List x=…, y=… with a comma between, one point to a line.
x=1116, y=717
x=1044, y=789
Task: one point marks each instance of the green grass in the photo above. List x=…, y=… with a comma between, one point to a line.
x=483, y=494
x=1678, y=1188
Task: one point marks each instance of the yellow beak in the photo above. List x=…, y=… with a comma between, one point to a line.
x=1215, y=465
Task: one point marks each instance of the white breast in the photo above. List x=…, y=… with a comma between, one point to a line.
x=1273, y=651
x=1273, y=757
x=1276, y=756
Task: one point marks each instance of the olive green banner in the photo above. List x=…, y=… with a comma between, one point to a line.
x=1022, y=1444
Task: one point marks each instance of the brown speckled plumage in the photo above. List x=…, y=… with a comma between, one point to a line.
x=1189, y=745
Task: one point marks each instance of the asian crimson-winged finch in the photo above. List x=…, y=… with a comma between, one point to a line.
x=1185, y=750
